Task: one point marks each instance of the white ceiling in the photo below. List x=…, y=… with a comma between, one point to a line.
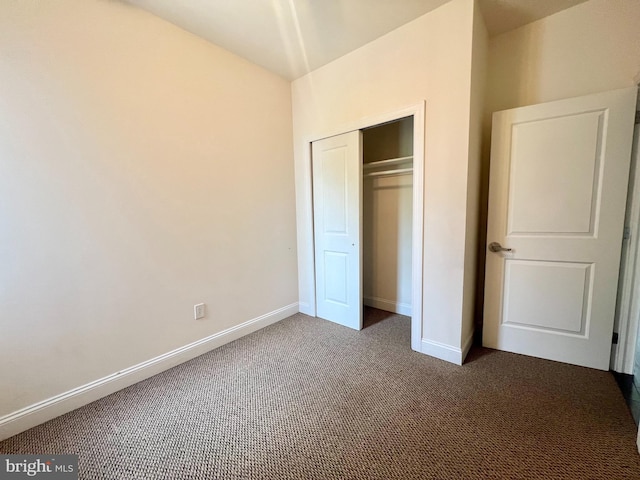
x=294, y=37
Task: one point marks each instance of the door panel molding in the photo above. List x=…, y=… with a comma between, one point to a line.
x=557, y=195
x=337, y=212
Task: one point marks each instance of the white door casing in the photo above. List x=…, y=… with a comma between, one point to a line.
x=628, y=306
x=337, y=205
x=557, y=195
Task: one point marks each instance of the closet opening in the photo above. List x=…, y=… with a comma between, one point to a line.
x=387, y=220
x=366, y=192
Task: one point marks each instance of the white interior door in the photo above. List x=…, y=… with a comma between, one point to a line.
x=337, y=214
x=557, y=195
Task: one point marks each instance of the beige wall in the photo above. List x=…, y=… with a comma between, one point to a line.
x=427, y=59
x=474, y=253
x=143, y=170
x=592, y=47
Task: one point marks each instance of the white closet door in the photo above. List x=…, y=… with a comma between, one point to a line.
x=337, y=211
x=558, y=183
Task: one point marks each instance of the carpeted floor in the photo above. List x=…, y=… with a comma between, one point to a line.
x=307, y=399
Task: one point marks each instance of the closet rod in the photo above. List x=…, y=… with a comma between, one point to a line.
x=398, y=171
x=391, y=161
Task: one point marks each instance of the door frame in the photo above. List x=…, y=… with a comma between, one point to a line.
x=628, y=305
x=417, y=111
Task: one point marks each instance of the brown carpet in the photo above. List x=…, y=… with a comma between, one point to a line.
x=307, y=399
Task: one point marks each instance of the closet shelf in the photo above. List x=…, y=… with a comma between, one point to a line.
x=391, y=161
x=387, y=173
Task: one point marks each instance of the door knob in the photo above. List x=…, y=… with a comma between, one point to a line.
x=495, y=247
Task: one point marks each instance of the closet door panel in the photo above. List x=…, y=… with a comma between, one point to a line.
x=337, y=206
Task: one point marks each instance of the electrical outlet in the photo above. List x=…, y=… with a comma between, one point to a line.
x=199, y=311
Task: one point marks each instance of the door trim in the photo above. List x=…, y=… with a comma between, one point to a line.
x=416, y=110
x=628, y=307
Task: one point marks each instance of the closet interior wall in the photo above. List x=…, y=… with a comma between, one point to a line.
x=387, y=216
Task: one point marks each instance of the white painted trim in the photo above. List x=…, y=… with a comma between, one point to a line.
x=53, y=407
x=445, y=352
x=306, y=309
x=417, y=225
x=628, y=308
x=388, y=305
x=448, y=353
x=417, y=110
x=371, y=121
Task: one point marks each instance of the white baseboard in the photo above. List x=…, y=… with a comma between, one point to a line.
x=306, y=309
x=388, y=305
x=446, y=352
x=53, y=407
